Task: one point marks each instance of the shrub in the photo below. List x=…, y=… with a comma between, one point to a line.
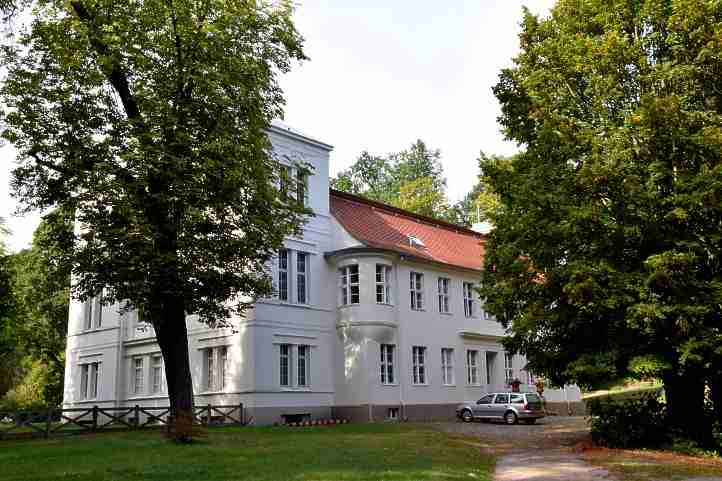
x=631, y=423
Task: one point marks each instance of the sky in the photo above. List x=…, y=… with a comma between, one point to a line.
x=382, y=74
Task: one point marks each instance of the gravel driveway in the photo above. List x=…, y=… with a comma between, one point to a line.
x=552, y=432
x=534, y=453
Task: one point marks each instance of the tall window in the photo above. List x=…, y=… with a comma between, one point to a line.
x=93, y=314
x=285, y=181
x=285, y=373
x=472, y=367
x=283, y=274
x=417, y=290
x=138, y=378
x=383, y=284
x=468, y=299
x=301, y=186
x=215, y=361
x=419, y=364
x=304, y=362
x=508, y=367
x=443, y=285
x=349, y=285
x=293, y=276
x=89, y=380
x=294, y=365
x=301, y=277
x=387, y=363
x=157, y=384
x=447, y=366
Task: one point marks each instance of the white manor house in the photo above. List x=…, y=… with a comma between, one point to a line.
x=375, y=318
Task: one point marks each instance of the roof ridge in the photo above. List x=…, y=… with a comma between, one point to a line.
x=398, y=211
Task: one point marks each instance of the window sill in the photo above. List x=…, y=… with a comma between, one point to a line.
x=209, y=393
x=342, y=306
x=418, y=310
x=293, y=304
x=449, y=385
x=473, y=385
x=420, y=385
x=446, y=313
x=389, y=384
x=295, y=389
x=384, y=304
x=142, y=397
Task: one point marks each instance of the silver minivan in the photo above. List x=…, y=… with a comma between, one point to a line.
x=511, y=407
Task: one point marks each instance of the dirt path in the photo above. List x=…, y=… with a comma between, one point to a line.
x=547, y=465
x=543, y=452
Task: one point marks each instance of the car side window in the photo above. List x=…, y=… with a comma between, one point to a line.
x=517, y=399
x=486, y=399
x=501, y=399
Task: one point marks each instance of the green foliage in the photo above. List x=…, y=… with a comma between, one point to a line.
x=412, y=179
x=605, y=251
x=30, y=392
x=629, y=424
x=148, y=121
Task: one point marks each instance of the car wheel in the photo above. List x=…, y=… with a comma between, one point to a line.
x=510, y=418
x=466, y=416
x=530, y=421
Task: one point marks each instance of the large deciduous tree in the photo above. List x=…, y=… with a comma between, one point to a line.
x=148, y=120
x=605, y=261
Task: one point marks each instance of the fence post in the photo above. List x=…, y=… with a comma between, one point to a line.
x=136, y=415
x=95, y=418
x=208, y=418
x=241, y=414
x=48, y=419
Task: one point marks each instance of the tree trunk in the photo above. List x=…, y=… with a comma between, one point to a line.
x=715, y=394
x=172, y=337
x=685, y=405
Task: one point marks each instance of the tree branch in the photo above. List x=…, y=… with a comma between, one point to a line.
x=118, y=79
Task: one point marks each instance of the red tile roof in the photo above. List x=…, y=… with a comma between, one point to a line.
x=381, y=226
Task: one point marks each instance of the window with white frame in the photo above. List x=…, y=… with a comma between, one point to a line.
x=285, y=364
x=304, y=365
x=468, y=299
x=215, y=363
x=157, y=374
x=138, y=376
x=301, y=277
x=387, y=363
x=447, y=366
x=508, y=368
x=416, y=286
x=443, y=286
x=472, y=367
x=530, y=377
x=93, y=313
x=294, y=374
x=283, y=274
x=302, y=187
x=383, y=284
x=349, y=280
x=89, y=375
x=293, y=276
x=418, y=357
x=293, y=184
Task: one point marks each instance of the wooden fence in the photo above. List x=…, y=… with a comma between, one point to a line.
x=46, y=423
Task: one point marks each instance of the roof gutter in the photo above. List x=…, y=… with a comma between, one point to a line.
x=349, y=251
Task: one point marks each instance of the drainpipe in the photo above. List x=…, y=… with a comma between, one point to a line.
x=119, y=367
x=399, y=355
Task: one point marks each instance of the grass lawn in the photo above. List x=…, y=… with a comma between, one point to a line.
x=629, y=465
x=350, y=452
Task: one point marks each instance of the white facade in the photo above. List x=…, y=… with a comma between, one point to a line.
x=305, y=352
